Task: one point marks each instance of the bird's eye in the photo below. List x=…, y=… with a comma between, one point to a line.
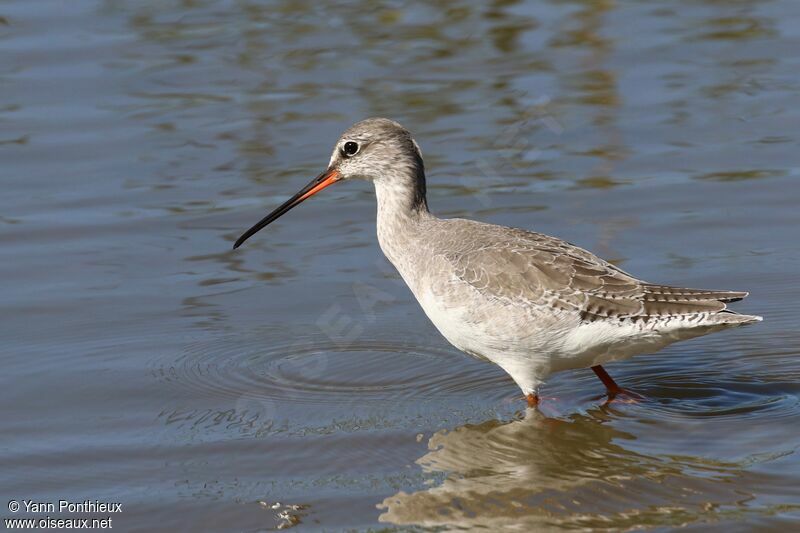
x=350, y=148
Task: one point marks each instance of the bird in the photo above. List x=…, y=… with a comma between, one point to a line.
x=528, y=302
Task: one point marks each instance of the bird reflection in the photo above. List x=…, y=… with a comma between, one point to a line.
x=538, y=472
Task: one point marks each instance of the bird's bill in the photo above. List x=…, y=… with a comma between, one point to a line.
x=324, y=180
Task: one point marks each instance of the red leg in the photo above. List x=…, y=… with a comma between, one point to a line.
x=615, y=390
x=533, y=400
x=611, y=386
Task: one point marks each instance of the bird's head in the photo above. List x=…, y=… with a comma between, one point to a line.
x=375, y=149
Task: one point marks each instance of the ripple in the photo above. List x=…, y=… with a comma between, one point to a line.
x=726, y=400
x=695, y=387
x=312, y=369
x=703, y=396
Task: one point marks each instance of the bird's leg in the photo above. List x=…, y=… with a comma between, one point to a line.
x=611, y=385
x=532, y=399
x=613, y=389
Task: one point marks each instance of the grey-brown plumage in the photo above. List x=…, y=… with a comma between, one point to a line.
x=531, y=303
x=524, y=268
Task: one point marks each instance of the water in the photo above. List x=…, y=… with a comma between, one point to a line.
x=295, y=382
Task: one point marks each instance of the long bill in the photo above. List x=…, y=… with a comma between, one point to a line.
x=326, y=179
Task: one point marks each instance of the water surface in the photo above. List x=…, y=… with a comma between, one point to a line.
x=295, y=382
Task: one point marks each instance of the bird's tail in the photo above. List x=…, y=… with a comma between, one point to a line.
x=711, y=305
x=731, y=318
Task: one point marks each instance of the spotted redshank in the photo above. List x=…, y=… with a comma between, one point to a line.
x=530, y=303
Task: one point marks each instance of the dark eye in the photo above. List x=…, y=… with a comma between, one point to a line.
x=350, y=148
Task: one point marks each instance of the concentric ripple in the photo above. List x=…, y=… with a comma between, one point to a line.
x=724, y=399
x=315, y=369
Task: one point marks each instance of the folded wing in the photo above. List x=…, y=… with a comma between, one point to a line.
x=532, y=269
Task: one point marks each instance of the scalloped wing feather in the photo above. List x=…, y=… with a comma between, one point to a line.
x=527, y=268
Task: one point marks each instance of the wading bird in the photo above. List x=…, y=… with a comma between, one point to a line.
x=530, y=303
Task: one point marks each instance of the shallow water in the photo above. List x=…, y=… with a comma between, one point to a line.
x=295, y=382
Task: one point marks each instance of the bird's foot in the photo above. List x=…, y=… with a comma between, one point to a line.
x=534, y=400
x=624, y=396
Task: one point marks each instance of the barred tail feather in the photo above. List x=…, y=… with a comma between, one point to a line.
x=734, y=319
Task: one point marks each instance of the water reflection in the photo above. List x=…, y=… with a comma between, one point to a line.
x=581, y=472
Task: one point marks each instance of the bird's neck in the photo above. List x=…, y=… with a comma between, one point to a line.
x=402, y=208
x=401, y=198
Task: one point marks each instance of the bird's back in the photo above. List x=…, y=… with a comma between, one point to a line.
x=523, y=268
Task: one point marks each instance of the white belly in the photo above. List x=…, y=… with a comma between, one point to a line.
x=508, y=337
x=531, y=344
